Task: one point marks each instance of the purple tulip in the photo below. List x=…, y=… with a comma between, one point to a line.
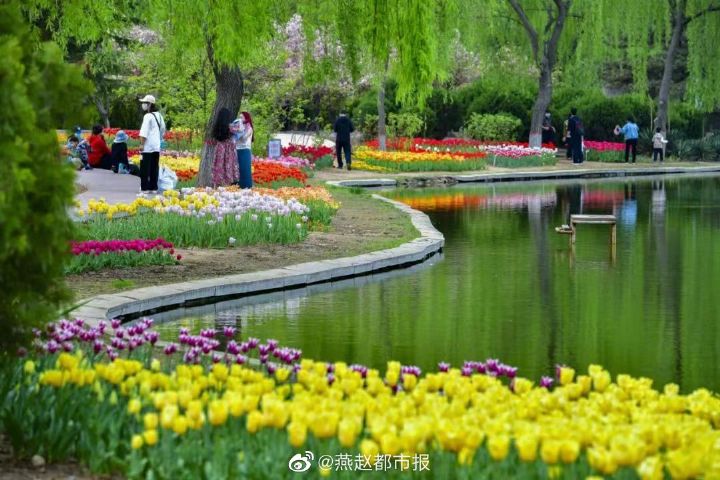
x=98, y=346
x=120, y=333
x=466, y=371
x=330, y=378
x=115, y=323
x=330, y=367
x=233, y=348
x=216, y=358
x=229, y=332
x=271, y=367
x=263, y=349
x=152, y=337
x=240, y=359
x=253, y=342
x=443, y=367
x=67, y=346
x=170, y=349
x=272, y=344
x=52, y=346
x=481, y=367
x=546, y=382
x=263, y=359
x=184, y=331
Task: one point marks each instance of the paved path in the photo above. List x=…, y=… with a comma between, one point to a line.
x=114, y=187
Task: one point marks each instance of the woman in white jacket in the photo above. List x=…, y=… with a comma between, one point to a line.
x=151, y=135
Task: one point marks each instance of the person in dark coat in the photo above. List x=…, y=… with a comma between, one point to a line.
x=343, y=128
x=575, y=136
x=118, y=153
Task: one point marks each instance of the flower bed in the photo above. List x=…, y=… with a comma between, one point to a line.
x=406, y=161
x=202, y=217
x=272, y=174
x=286, y=161
x=604, y=151
x=311, y=153
x=201, y=411
x=96, y=255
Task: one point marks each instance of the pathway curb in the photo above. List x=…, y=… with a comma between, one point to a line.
x=148, y=299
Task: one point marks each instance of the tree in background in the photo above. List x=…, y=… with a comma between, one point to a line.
x=38, y=92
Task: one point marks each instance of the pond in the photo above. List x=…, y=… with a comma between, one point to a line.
x=508, y=286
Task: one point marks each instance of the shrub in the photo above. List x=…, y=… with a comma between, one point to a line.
x=499, y=126
x=404, y=124
x=38, y=92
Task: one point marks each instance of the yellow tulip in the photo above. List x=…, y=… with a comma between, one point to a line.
x=180, y=425
x=569, y=450
x=254, y=421
x=297, y=434
x=29, y=367
x=150, y=420
x=567, y=375
x=498, y=446
x=150, y=437
x=136, y=442
x=526, y=446
x=218, y=412
x=550, y=451
x=134, y=406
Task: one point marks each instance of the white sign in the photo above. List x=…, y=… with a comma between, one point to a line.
x=274, y=148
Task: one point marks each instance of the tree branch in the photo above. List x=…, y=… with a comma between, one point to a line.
x=532, y=33
x=710, y=9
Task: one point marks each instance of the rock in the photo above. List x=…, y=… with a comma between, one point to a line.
x=37, y=461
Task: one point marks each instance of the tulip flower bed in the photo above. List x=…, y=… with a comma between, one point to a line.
x=96, y=394
x=275, y=175
x=95, y=255
x=285, y=161
x=417, y=161
x=205, y=218
x=318, y=156
x=604, y=151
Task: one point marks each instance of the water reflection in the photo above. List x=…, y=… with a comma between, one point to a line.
x=509, y=286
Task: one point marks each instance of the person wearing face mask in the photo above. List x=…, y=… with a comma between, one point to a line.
x=242, y=130
x=151, y=135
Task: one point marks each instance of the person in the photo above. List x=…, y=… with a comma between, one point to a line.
x=630, y=130
x=243, y=133
x=575, y=134
x=225, y=164
x=658, y=145
x=99, y=156
x=548, y=131
x=118, y=155
x=151, y=135
x=78, y=152
x=343, y=128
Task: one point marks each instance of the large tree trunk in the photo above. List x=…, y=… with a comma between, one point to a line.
x=382, y=122
x=545, y=59
x=382, y=128
x=541, y=105
x=664, y=95
x=229, y=88
x=102, y=110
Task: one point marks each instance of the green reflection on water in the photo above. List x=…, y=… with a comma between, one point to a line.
x=509, y=286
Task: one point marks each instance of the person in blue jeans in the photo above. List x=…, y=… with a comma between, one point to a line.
x=631, y=132
x=242, y=130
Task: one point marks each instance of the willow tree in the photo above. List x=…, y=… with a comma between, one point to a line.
x=641, y=28
x=382, y=39
x=534, y=30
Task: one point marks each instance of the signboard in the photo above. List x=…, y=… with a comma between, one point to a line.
x=274, y=148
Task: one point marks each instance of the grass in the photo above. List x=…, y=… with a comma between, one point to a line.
x=88, y=262
x=121, y=284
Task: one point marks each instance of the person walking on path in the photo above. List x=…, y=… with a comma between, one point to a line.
x=243, y=132
x=225, y=164
x=575, y=136
x=343, y=128
x=630, y=130
x=99, y=156
x=659, y=145
x=151, y=135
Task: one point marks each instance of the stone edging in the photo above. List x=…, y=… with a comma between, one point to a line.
x=524, y=176
x=430, y=242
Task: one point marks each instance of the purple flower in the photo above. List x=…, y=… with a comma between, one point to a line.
x=272, y=344
x=184, y=331
x=263, y=359
x=240, y=359
x=152, y=337
x=330, y=378
x=216, y=358
x=466, y=371
x=52, y=346
x=480, y=367
x=330, y=367
x=67, y=346
x=546, y=382
x=115, y=323
x=443, y=367
x=120, y=333
x=112, y=355
x=170, y=349
x=233, y=348
x=253, y=342
x=271, y=367
x=264, y=349
x=491, y=365
x=244, y=347
x=229, y=331
x=98, y=346
x=362, y=369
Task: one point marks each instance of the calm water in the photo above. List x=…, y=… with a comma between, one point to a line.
x=508, y=286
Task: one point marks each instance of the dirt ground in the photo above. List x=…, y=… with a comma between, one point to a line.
x=361, y=225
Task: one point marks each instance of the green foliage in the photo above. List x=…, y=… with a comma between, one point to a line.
x=404, y=124
x=521, y=162
x=38, y=92
x=91, y=262
x=497, y=127
x=705, y=149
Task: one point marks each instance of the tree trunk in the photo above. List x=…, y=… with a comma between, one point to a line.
x=382, y=123
x=102, y=110
x=664, y=95
x=382, y=131
x=541, y=105
x=229, y=88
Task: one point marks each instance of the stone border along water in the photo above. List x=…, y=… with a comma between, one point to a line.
x=523, y=176
x=147, y=300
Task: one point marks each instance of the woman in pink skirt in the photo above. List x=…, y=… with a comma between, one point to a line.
x=225, y=167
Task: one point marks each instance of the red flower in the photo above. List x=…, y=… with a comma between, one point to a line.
x=179, y=257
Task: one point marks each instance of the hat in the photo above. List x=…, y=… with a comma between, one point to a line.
x=121, y=137
x=148, y=99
